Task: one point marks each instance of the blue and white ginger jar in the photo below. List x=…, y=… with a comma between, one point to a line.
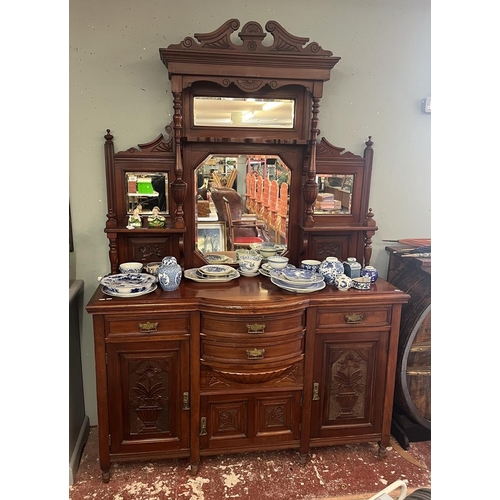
x=169, y=274
x=330, y=268
x=370, y=272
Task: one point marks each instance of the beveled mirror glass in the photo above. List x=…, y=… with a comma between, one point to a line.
x=257, y=192
x=148, y=189
x=243, y=112
x=334, y=195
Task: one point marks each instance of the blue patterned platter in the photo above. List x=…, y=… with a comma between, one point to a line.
x=216, y=270
x=196, y=275
x=128, y=283
x=300, y=275
x=309, y=288
x=216, y=258
x=282, y=281
x=111, y=293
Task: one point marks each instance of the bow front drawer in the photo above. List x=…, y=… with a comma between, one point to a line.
x=255, y=325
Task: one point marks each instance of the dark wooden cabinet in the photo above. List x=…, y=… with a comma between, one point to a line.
x=243, y=366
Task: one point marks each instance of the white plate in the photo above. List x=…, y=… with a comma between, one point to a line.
x=130, y=279
x=153, y=287
x=191, y=275
x=216, y=258
x=300, y=275
x=278, y=274
x=216, y=270
x=311, y=288
x=264, y=272
x=256, y=273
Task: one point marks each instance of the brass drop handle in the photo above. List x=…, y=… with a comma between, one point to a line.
x=353, y=318
x=255, y=353
x=148, y=327
x=256, y=328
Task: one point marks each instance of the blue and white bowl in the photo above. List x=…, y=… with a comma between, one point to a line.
x=130, y=267
x=277, y=261
x=362, y=283
x=370, y=272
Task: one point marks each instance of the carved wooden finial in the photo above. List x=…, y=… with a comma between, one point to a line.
x=369, y=142
x=108, y=136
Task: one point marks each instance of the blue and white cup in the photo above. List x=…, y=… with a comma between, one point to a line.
x=310, y=265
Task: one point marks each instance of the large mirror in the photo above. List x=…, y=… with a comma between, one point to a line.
x=146, y=190
x=241, y=202
x=243, y=112
x=334, y=194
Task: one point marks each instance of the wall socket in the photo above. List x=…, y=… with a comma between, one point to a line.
x=426, y=105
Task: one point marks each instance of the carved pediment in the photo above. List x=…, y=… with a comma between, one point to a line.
x=325, y=149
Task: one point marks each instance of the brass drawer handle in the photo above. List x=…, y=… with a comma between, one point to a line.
x=148, y=327
x=255, y=353
x=256, y=328
x=203, y=426
x=353, y=318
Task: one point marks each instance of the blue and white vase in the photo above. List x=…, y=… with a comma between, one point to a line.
x=330, y=268
x=169, y=274
x=369, y=272
x=343, y=282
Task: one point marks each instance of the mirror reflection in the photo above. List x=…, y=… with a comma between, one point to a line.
x=241, y=202
x=147, y=189
x=334, y=195
x=243, y=112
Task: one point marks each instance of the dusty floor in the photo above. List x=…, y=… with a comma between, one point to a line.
x=338, y=471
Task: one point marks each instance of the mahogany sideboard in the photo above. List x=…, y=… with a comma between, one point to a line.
x=243, y=366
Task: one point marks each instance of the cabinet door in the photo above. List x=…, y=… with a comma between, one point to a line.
x=148, y=396
x=249, y=421
x=349, y=385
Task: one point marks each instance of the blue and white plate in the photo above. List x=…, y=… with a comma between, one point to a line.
x=281, y=280
x=309, y=288
x=216, y=258
x=111, y=293
x=300, y=275
x=195, y=275
x=128, y=283
x=216, y=270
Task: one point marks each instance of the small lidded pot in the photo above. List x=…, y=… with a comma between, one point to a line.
x=369, y=272
x=343, y=282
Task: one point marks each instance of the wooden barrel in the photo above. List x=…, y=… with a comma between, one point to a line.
x=413, y=373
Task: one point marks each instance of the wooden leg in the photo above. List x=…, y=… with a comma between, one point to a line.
x=382, y=450
x=302, y=458
x=194, y=468
x=105, y=476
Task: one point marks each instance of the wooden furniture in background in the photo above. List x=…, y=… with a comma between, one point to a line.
x=412, y=402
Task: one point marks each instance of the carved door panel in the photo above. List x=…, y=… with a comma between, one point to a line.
x=349, y=384
x=148, y=386
x=247, y=421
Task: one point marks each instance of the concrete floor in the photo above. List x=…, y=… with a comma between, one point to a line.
x=349, y=472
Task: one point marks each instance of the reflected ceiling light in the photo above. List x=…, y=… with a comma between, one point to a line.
x=272, y=105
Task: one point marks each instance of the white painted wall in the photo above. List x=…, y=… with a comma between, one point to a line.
x=117, y=81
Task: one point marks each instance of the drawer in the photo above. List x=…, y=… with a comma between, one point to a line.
x=234, y=350
x=333, y=318
x=253, y=324
x=155, y=324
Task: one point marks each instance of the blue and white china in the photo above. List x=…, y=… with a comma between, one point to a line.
x=282, y=280
x=131, y=295
x=127, y=283
x=152, y=267
x=362, y=283
x=250, y=262
x=169, y=274
x=343, y=282
x=130, y=267
x=196, y=274
x=216, y=270
x=267, y=248
x=311, y=265
x=215, y=258
x=352, y=267
x=277, y=261
x=370, y=272
x=293, y=287
x=300, y=275
x=330, y=268
x=244, y=252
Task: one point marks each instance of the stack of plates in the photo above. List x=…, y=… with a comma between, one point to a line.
x=266, y=269
x=212, y=273
x=128, y=285
x=297, y=280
